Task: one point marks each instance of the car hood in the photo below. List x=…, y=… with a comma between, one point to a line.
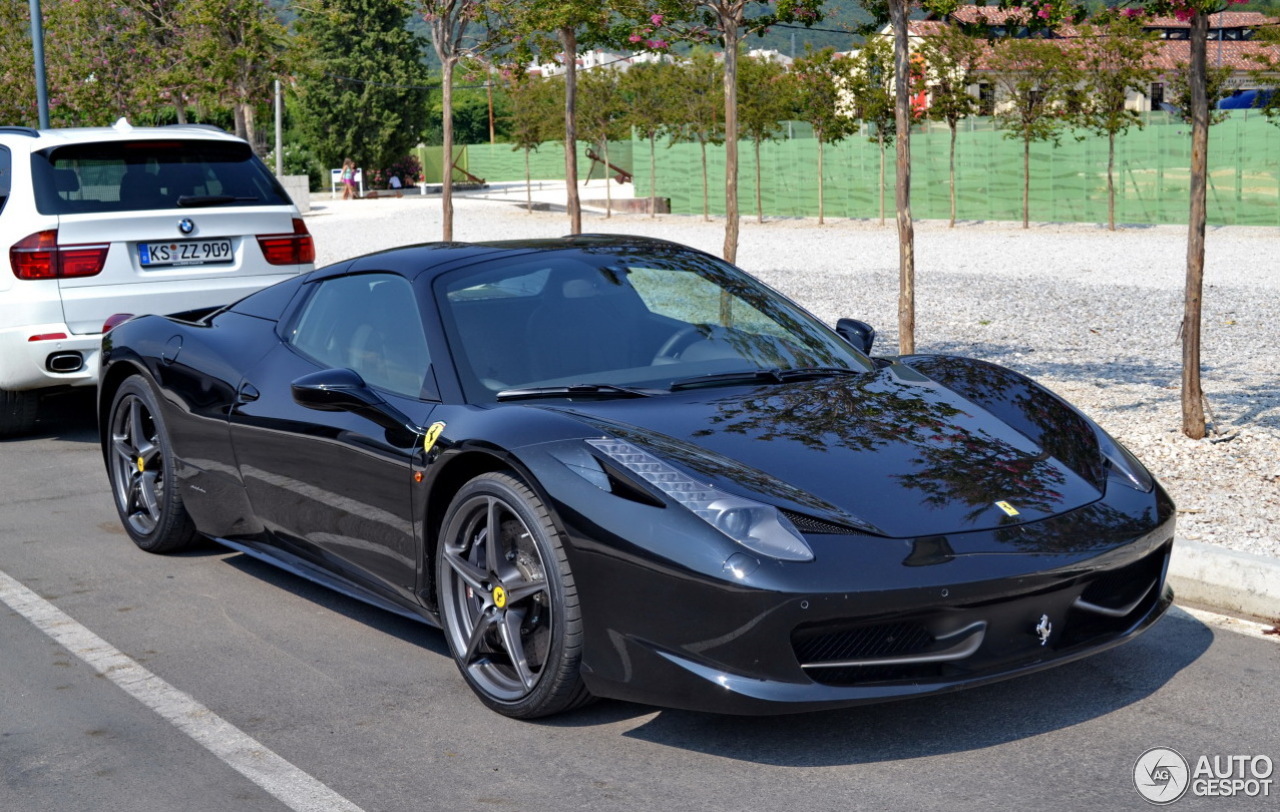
x=892, y=452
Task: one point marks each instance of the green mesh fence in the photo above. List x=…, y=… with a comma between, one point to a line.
x=432, y=159
x=1068, y=182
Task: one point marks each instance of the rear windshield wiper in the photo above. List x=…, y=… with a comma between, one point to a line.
x=194, y=201
x=774, y=375
x=577, y=390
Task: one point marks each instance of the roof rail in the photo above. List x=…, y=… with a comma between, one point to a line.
x=15, y=130
x=213, y=127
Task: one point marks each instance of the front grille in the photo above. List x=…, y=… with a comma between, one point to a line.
x=867, y=642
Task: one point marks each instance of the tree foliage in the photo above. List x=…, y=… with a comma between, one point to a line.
x=1038, y=80
x=362, y=84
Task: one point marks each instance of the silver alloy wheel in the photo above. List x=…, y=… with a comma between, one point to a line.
x=496, y=605
x=137, y=465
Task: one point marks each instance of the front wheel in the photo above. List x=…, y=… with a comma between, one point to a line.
x=508, y=602
x=140, y=466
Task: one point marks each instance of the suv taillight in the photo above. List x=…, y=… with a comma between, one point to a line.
x=289, y=249
x=39, y=256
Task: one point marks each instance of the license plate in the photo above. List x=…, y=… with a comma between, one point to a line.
x=186, y=252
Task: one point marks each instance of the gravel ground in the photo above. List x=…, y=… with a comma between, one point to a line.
x=1093, y=315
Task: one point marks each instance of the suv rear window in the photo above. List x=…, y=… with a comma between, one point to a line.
x=117, y=176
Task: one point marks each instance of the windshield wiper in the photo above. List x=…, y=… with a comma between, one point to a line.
x=774, y=375
x=194, y=201
x=576, y=390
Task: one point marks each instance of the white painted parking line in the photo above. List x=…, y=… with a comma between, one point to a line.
x=288, y=784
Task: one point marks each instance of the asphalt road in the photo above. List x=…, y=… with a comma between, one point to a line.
x=365, y=706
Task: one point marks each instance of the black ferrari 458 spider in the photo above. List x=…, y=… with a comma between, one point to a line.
x=619, y=467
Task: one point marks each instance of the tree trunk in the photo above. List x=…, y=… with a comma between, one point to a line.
x=902, y=192
x=820, y=211
x=729, y=25
x=528, y=185
x=952, y=170
x=1111, y=181
x=706, y=203
x=608, y=190
x=1026, y=184
x=180, y=106
x=880, y=143
x=446, y=128
x=1192, y=395
x=759, y=201
x=653, y=175
x=569, y=43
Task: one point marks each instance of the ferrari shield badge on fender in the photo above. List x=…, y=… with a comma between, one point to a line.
x=433, y=434
x=1007, y=508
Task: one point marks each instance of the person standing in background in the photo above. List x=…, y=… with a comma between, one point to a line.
x=349, y=180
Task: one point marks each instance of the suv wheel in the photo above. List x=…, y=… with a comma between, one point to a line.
x=17, y=412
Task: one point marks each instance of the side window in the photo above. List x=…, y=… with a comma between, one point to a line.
x=369, y=323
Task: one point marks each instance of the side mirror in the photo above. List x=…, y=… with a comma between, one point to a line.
x=343, y=390
x=858, y=333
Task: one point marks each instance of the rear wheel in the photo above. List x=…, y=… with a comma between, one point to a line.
x=508, y=602
x=17, y=412
x=140, y=466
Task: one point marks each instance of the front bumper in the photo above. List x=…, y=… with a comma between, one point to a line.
x=912, y=625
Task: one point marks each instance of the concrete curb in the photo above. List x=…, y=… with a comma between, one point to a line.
x=1227, y=581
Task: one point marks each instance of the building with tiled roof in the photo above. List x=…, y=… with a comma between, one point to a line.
x=1231, y=45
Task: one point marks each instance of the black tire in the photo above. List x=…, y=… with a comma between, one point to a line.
x=140, y=467
x=17, y=412
x=510, y=610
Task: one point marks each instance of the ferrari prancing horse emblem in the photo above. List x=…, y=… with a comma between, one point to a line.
x=1043, y=629
x=433, y=434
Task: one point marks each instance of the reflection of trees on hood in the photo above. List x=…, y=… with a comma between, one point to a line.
x=1098, y=526
x=954, y=460
x=1035, y=412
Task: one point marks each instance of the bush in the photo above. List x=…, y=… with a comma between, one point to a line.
x=298, y=160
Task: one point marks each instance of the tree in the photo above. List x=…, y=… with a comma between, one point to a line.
x=239, y=48
x=697, y=114
x=821, y=77
x=91, y=54
x=534, y=102
x=951, y=57
x=646, y=89
x=17, y=69
x=363, y=85
x=1197, y=13
x=1114, y=57
x=602, y=116
x=448, y=21
x=766, y=100
x=533, y=26
x=872, y=77
x=728, y=21
x=1034, y=78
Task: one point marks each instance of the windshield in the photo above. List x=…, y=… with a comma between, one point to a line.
x=642, y=317
x=117, y=176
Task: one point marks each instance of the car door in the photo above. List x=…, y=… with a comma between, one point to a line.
x=335, y=486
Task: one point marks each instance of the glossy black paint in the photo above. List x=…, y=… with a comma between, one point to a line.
x=894, y=474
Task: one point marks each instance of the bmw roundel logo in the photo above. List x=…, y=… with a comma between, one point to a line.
x=186, y=226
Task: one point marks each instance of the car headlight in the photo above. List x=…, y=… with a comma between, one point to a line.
x=1123, y=466
x=759, y=527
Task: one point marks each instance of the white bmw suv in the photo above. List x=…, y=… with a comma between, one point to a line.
x=107, y=220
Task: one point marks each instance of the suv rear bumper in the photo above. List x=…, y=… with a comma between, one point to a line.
x=25, y=364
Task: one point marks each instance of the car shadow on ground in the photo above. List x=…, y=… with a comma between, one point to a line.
x=69, y=415
x=414, y=632
x=974, y=719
